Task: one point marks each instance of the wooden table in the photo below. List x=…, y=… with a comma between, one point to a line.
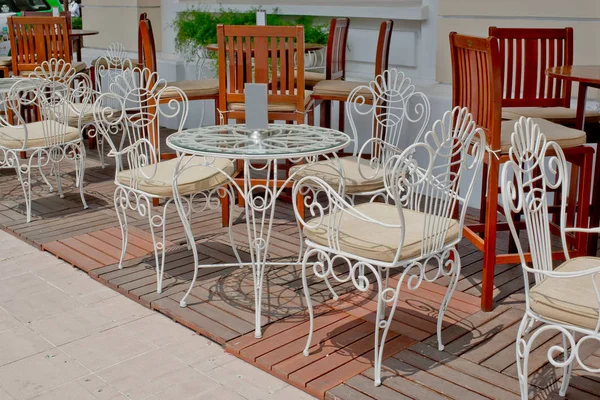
x=307, y=47
x=77, y=35
x=586, y=76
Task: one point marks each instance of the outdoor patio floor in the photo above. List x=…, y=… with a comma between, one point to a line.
x=478, y=361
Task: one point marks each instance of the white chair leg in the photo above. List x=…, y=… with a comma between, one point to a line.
x=24, y=176
x=80, y=168
x=122, y=217
x=311, y=315
x=567, y=369
x=58, y=180
x=522, y=355
x=454, y=276
x=158, y=222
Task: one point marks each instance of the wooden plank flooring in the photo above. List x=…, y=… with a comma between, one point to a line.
x=479, y=356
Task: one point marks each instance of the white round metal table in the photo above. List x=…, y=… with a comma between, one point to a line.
x=296, y=143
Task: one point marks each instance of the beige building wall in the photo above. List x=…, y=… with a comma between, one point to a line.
x=474, y=17
x=116, y=20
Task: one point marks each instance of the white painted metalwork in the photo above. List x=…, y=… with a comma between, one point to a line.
x=314, y=60
x=106, y=69
x=425, y=178
x=536, y=168
x=297, y=143
x=53, y=88
x=134, y=113
x=394, y=109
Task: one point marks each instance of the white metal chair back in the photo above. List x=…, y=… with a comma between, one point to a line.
x=429, y=175
x=57, y=88
x=395, y=109
x=108, y=67
x=137, y=94
x=536, y=168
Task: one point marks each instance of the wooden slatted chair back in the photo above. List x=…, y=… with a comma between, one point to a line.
x=148, y=52
x=476, y=82
x=37, y=39
x=382, y=56
x=525, y=55
x=262, y=54
x=335, y=67
x=66, y=14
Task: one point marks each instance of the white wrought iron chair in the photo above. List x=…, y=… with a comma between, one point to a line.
x=394, y=109
x=106, y=69
x=140, y=175
x=564, y=299
x=374, y=239
x=51, y=93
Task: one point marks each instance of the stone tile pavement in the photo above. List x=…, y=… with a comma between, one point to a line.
x=65, y=336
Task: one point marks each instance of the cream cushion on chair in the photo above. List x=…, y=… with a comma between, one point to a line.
x=14, y=137
x=200, y=88
x=312, y=78
x=195, y=178
x=340, y=88
x=274, y=107
x=88, y=114
x=5, y=61
x=555, y=114
x=376, y=242
x=563, y=136
x=328, y=170
x=572, y=301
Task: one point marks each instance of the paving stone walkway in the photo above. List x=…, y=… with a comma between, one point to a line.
x=65, y=336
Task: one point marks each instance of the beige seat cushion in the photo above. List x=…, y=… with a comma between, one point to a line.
x=563, y=136
x=79, y=67
x=201, y=88
x=195, y=178
x=274, y=107
x=571, y=301
x=555, y=114
x=312, y=78
x=14, y=137
x=5, y=61
x=375, y=242
x=102, y=61
x=88, y=114
x=340, y=88
x=355, y=183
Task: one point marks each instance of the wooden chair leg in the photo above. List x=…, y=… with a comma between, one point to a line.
x=490, y=232
x=595, y=214
x=155, y=202
x=225, y=210
x=326, y=114
x=300, y=205
x=311, y=117
x=585, y=182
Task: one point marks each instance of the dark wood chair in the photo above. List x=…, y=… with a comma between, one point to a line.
x=527, y=91
x=477, y=85
x=338, y=90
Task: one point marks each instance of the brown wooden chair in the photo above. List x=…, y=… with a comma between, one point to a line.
x=34, y=40
x=335, y=64
x=477, y=85
x=330, y=90
x=263, y=54
x=527, y=91
x=205, y=89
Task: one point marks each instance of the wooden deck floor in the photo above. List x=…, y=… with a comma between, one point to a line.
x=478, y=361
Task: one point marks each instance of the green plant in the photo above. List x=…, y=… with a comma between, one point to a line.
x=196, y=28
x=76, y=23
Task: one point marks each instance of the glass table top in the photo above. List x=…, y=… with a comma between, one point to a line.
x=278, y=141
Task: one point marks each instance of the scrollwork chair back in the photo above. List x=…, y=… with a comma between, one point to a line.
x=135, y=114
